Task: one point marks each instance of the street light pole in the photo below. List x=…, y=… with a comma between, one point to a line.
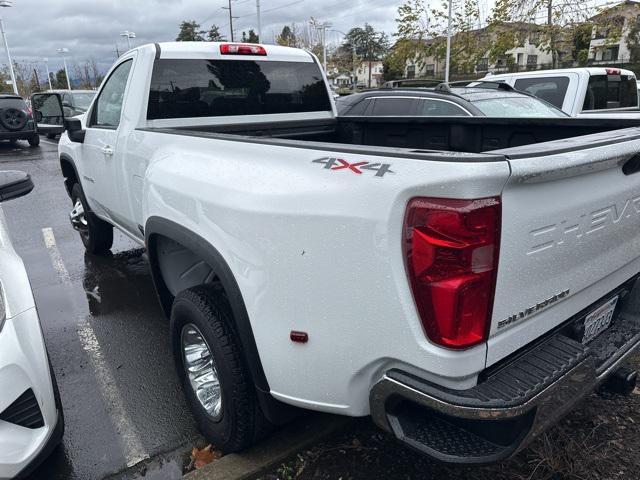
x=448, y=56
x=46, y=66
x=8, y=3
x=128, y=35
x=324, y=26
x=62, y=52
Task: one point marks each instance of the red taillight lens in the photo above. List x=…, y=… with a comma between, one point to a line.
x=451, y=249
x=613, y=71
x=242, y=49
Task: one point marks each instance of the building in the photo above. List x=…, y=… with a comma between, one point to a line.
x=530, y=55
x=610, y=42
x=362, y=74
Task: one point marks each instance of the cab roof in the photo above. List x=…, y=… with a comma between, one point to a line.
x=211, y=50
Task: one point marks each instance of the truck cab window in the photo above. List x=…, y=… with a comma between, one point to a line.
x=550, y=89
x=108, y=108
x=610, y=91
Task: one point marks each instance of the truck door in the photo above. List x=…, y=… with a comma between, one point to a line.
x=100, y=180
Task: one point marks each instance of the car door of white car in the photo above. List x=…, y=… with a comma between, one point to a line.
x=99, y=180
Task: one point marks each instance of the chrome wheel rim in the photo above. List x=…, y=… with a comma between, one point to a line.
x=201, y=370
x=78, y=218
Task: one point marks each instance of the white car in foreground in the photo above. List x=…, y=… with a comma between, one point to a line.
x=31, y=420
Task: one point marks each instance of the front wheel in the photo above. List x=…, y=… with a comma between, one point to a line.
x=34, y=141
x=96, y=234
x=213, y=370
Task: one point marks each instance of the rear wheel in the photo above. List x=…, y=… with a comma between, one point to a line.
x=35, y=140
x=96, y=234
x=213, y=370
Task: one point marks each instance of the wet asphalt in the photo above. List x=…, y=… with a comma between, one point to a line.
x=119, y=384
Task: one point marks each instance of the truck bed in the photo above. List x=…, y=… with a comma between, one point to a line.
x=419, y=135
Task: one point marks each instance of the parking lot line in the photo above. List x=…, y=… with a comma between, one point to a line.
x=134, y=452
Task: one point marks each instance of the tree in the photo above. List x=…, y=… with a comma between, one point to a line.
x=287, y=37
x=369, y=44
x=559, y=16
x=214, y=35
x=190, y=32
x=60, y=80
x=250, y=37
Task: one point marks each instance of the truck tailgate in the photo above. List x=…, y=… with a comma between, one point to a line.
x=570, y=233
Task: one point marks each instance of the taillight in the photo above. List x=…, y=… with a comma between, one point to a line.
x=451, y=248
x=242, y=49
x=612, y=71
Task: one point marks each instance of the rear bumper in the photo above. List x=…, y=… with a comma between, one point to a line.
x=19, y=135
x=512, y=403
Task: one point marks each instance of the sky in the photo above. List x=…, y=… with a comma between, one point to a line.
x=90, y=28
x=37, y=28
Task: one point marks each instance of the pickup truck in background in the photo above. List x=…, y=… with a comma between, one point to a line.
x=463, y=280
x=596, y=92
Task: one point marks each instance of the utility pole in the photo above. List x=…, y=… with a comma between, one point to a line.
x=324, y=26
x=231, y=17
x=448, y=56
x=259, y=21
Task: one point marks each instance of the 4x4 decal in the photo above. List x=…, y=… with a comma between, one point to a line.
x=331, y=163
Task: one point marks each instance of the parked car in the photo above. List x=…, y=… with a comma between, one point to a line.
x=74, y=102
x=482, y=99
x=597, y=92
x=16, y=122
x=31, y=418
x=464, y=280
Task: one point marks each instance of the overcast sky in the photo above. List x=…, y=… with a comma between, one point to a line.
x=36, y=28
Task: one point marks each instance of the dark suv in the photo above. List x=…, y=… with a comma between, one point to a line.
x=16, y=122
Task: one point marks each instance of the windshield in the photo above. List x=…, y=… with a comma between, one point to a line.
x=517, y=107
x=83, y=100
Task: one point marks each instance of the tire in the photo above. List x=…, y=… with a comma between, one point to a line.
x=13, y=119
x=239, y=422
x=51, y=136
x=96, y=234
x=13, y=142
x=35, y=140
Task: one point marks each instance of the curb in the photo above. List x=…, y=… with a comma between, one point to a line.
x=273, y=451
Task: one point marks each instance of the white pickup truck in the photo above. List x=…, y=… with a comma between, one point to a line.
x=463, y=280
x=593, y=92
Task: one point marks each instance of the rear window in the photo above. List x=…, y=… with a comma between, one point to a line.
x=16, y=103
x=550, y=89
x=610, y=91
x=517, y=107
x=213, y=88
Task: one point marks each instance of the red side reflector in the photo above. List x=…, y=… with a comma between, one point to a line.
x=299, y=337
x=613, y=71
x=242, y=49
x=451, y=249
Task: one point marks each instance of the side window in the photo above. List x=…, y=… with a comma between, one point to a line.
x=610, y=91
x=108, y=106
x=354, y=110
x=394, y=107
x=437, y=108
x=551, y=89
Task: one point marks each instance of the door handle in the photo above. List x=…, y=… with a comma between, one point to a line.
x=108, y=151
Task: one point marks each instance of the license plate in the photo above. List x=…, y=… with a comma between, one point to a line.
x=599, y=320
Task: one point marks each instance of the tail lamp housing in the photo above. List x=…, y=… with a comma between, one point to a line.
x=242, y=49
x=451, y=250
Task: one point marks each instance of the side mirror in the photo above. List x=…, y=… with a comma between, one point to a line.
x=74, y=129
x=48, y=112
x=14, y=184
